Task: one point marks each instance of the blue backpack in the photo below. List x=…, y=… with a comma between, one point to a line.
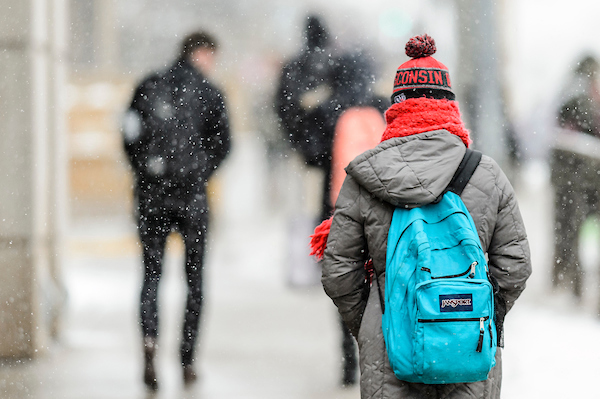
x=438, y=315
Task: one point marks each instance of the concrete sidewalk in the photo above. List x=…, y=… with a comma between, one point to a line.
x=259, y=339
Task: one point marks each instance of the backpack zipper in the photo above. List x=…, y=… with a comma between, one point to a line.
x=481, y=320
x=480, y=341
x=470, y=271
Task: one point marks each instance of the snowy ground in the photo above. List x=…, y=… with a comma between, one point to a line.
x=552, y=347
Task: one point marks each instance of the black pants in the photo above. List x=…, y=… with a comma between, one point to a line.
x=160, y=213
x=350, y=361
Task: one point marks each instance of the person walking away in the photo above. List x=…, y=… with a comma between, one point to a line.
x=302, y=99
x=573, y=169
x=580, y=110
x=305, y=103
x=176, y=134
x=420, y=151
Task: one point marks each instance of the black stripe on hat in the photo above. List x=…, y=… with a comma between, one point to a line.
x=435, y=94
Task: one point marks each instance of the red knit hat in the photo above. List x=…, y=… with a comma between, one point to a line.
x=423, y=75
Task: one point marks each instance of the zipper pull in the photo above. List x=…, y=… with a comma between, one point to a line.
x=472, y=274
x=491, y=335
x=480, y=342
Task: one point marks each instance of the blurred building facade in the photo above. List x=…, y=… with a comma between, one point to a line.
x=32, y=214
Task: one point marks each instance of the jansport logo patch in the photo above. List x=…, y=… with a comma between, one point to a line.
x=456, y=303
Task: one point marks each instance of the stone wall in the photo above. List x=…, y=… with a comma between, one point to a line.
x=33, y=177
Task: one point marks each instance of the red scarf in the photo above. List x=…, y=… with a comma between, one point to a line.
x=420, y=115
x=412, y=116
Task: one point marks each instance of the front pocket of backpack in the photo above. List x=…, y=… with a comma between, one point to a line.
x=454, y=338
x=454, y=350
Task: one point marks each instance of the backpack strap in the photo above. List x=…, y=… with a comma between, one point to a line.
x=381, y=302
x=464, y=172
x=457, y=184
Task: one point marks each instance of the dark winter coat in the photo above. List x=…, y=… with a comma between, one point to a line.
x=580, y=103
x=176, y=130
x=305, y=127
x=415, y=170
x=345, y=81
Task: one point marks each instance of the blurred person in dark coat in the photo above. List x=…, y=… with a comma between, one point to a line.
x=303, y=103
x=303, y=86
x=580, y=110
x=176, y=134
x=573, y=165
x=303, y=95
x=315, y=88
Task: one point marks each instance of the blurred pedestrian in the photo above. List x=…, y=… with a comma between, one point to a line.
x=580, y=110
x=574, y=164
x=305, y=84
x=304, y=87
x=176, y=134
x=303, y=96
x=421, y=148
x=315, y=88
x=304, y=103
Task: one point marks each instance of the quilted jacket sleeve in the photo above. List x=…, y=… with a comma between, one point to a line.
x=343, y=263
x=509, y=255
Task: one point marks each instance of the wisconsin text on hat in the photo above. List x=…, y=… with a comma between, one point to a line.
x=420, y=77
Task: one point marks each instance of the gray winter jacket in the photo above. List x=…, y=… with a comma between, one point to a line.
x=415, y=170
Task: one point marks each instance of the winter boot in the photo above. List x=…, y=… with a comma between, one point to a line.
x=149, y=372
x=189, y=374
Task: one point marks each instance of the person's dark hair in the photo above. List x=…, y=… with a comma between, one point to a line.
x=587, y=66
x=315, y=33
x=196, y=40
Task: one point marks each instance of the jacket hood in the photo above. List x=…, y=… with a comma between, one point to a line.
x=409, y=171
